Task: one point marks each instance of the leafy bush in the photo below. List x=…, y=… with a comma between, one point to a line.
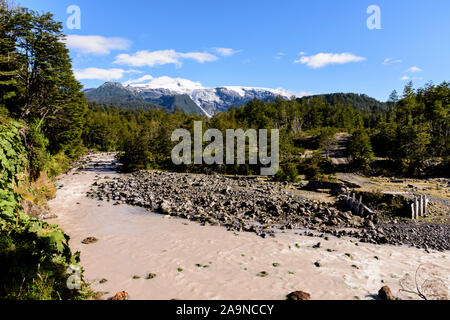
x=287, y=172
x=316, y=166
x=33, y=254
x=37, y=145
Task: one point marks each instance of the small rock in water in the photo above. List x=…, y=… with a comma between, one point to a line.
x=349, y=255
x=298, y=295
x=89, y=240
x=262, y=274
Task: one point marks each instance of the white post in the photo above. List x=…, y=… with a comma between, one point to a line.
x=413, y=215
x=426, y=204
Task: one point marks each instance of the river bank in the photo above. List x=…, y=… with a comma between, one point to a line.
x=191, y=261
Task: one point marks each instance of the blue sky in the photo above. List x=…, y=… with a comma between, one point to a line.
x=301, y=46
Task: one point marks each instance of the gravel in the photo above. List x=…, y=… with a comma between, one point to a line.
x=248, y=204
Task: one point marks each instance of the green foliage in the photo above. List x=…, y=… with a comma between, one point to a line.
x=287, y=172
x=13, y=164
x=360, y=149
x=37, y=147
x=33, y=254
x=36, y=79
x=415, y=129
x=315, y=166
x=402, y=130
x=38, y=89
x=360, y=102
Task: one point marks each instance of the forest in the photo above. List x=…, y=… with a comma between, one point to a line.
x=408, y=136
x=46, y=124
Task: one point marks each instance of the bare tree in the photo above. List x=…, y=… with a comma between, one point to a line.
x=426, y=284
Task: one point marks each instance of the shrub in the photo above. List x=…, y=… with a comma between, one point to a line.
x=287, y=172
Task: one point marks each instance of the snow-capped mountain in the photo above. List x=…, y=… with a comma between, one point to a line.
x=184, y=94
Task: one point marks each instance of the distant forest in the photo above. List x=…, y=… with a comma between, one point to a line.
x=406, y=136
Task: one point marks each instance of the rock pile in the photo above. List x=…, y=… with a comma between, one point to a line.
x=241, y=204
x=263, y=207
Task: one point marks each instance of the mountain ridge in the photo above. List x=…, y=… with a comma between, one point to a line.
x=192, y=98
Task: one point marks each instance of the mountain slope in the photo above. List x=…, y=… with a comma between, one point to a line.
x=115, y=94
x=181, y=101
x=112, y=92
x=181, y=94
x=192, y=98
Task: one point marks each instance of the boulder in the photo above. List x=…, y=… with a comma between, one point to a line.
x=122, y=295
x=165, y=207
x=298, y=295
x=385, y=293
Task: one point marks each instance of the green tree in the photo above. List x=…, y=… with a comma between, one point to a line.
x=9, y=58
x=360, y=149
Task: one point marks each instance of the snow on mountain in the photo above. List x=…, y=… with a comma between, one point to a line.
x=210, y=100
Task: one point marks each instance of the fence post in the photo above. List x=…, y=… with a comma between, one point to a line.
x=416, y=202
x=360, y=204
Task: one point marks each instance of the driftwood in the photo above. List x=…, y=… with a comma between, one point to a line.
x=357, y=206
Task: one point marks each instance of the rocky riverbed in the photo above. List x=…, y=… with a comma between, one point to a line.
x=128, y=248
x=263, y=207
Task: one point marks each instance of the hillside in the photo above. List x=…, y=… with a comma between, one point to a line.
x=115, y=94
x=180, y=94
x=360, y=102
x=112, y=92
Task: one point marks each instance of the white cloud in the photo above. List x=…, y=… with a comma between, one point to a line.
x=321, y=60
x=162, y=57
x=288, y=93
x=404, y=78
x=301, y=53
x=95, y=44
x=391, y=61
x=175, y=84
x=225, y=52
x=139, y=80
x=101, y=74
x=414, y=69
x=279, y=55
